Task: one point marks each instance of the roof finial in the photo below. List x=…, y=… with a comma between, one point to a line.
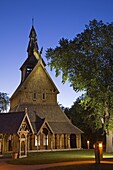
x=32, y=21
x=26, y=110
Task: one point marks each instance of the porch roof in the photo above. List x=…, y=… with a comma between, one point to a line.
x=10, y=122
x=64, y=127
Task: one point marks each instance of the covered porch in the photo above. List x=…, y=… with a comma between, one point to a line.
x=49, y=136
x=14, y=131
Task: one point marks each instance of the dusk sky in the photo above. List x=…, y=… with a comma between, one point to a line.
x=53, y=19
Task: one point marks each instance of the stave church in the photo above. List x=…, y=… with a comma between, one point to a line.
x=35, y=120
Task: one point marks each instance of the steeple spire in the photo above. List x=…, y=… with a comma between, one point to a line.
x=33, y=41
x=34, y=55
x=32, y=21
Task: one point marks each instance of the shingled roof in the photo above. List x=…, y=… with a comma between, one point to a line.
x=53, y=114
x=10, y=122
x=64, y=127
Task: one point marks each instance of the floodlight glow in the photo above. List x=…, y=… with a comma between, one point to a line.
x=100, y=145
x=88, y=144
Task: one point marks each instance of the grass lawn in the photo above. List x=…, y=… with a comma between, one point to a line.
x=59, y=156
x=52, y=157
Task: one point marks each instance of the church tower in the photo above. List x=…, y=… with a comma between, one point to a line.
x=33, y=55
x=38, y=94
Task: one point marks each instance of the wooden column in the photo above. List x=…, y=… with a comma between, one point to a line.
x=51, y=141
x=78, y=141
x=19, y=146
x=56, y=141
x=68, y=141
x=25, y=141
x=60, y=141
x=65, y=141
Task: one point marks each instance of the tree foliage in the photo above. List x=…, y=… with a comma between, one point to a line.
x=4, y=101
x=86, y=120
x=87, y=63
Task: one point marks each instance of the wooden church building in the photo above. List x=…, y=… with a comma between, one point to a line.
x=37, y=121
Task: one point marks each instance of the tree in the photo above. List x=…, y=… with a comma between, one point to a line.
x=87, y=63
x=77, y=114
x=4, y=102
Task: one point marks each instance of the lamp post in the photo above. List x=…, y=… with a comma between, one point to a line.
x=101, y=150
x=88, y=144
x=98, y=152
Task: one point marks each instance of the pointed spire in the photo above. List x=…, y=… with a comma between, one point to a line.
x=32, y=21
x=33, y=41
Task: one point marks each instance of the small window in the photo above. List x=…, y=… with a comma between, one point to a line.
x=44, y=96
x=34, y=96
x=28, y=70
x=54, y=90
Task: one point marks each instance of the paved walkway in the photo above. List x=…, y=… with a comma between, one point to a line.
x=5, y=166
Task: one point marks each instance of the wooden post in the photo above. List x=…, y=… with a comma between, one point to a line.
x=68, y=141
x=98, y=152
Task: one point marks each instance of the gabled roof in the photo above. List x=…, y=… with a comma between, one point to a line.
x=11, y=122
x=39, y=123
x=37, y=65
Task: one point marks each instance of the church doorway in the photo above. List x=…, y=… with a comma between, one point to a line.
x=23, y=145
x=23, y=148
x=73, y=141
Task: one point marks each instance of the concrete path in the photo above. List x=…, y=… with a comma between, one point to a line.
x=5, y=166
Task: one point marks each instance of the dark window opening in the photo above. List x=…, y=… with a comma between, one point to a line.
x=28, y=70
x=34, y=96
x=44, y=96
x=54, y=90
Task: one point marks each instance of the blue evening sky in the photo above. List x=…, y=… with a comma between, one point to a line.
x=53, y=19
